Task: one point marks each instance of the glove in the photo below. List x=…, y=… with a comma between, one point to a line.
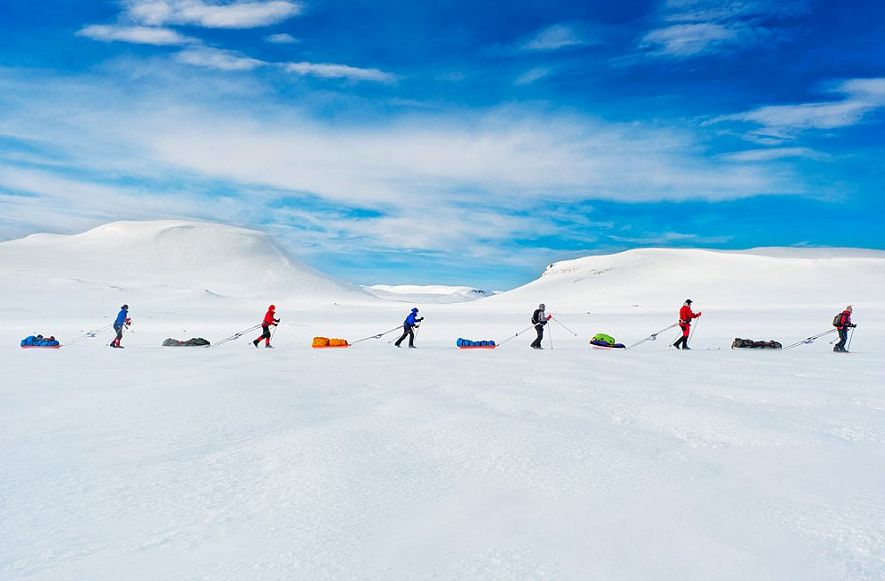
x=852, y=325
x=700, y=313
x=549, y=317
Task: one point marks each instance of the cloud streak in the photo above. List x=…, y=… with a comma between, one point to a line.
x=135, y=35
x=692, y=28
x=860, y=97
x=235, y=15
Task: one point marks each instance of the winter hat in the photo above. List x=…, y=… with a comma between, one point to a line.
x=414, y=309
x=688, y=301
x=542, y=306
x=125, y=307
x=272, y=308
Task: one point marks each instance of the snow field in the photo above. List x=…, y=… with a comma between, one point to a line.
x=379, y=463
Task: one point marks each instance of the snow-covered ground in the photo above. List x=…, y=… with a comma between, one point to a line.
x=377, y=463
x=428, y=294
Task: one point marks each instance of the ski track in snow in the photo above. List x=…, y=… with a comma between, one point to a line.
x=376, y=463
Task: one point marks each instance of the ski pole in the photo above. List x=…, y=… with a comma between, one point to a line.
x=88, y=335
x=652, y=337
x=850, y=336
x=691, y=335
x=809, y=340
x=558, y=322
x=378, y=336
x=515, y=335
x=550, y=337
x=237, y=335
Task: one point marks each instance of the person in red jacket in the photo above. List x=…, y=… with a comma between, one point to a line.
x=269, y=319
x=843, y=326
x=685, y=317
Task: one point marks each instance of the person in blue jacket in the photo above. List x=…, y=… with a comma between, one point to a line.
x=409, y=328
x=121, y=320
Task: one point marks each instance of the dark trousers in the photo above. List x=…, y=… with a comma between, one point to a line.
x=539, y=329
x=119, y=337
x=265, y=334
x=843, y=338
x=407, y=332
x=683, y=341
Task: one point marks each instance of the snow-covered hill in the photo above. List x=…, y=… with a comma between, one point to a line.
x=213, y=259
x=428, y=294
x=662, y=278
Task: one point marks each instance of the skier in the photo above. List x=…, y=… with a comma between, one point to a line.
x=685, y=317
x=121, y=321
x=409, y=328
x=844, y=320
x=269, y=319
x=539, y=319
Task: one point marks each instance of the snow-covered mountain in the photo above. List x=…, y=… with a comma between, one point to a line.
x=661, y=278
x=177, y=255
x=428, y=294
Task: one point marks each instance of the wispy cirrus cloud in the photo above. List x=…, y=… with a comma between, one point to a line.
x=237, y=14
x=860, y=97
x=215, y=58
x=773, y=153
x=691, y=28
x=157, y=36
x=531, y=76
x=338, y=71
x=557, y=37
x=282, y=38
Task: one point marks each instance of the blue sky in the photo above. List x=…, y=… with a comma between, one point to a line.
x=449, y=142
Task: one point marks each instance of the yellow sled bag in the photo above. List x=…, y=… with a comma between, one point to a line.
x=320, y=342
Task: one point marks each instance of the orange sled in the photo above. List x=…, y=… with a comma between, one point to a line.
x=325, y=343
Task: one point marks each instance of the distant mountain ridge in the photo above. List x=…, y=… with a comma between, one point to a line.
x=221, y=259
x=659, y=277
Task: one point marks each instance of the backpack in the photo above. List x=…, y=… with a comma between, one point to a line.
x=837, y=320
x=536, y=317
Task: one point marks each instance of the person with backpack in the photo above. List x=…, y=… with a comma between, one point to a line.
x=121, y=321
x=269, y=320
x=842, y=322
x=409, y=328
x=539, y=319
x=685, y=317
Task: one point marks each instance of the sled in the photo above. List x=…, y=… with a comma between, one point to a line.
x=469, y=347
x=607, y=348
x=41, y=346
x=326, y=343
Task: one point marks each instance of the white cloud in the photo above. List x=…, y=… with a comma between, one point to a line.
x=531, y=75
x=690, y=28
x=237, y=14
x=135, y=34
x=556, y=37
x=681, y=40
x=860, y=97
x=214, y=58
x=762, y=155
x=336, y=71
x=463, y=169
x=282, y=38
